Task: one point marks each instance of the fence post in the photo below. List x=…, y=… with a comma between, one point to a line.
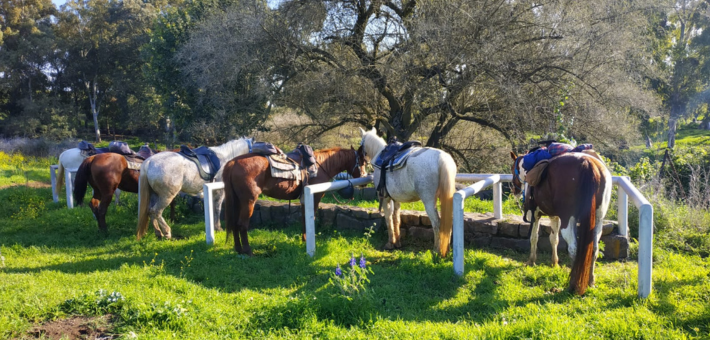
x=53, y=176
x=622, y=211
x=458, y=232
x=209, y=216
x=498, y=200
x=645, y=250
x=310, y=220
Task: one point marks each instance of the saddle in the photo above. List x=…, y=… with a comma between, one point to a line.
x=88, y=149
x=393, y=157
x=291, y=165
x=207, y=162
x=120, y=148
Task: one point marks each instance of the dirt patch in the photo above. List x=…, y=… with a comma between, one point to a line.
x=31, y=184
x=77, y=327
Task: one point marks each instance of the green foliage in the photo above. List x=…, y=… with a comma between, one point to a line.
x=99, y=303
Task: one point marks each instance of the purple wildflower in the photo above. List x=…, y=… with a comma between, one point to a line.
x=353, y=263
x=338, y=272
x=363, y=263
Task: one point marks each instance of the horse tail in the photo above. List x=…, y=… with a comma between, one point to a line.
x=590, y=181
x=60, y=177
x=446, y=190
x=144, y=192
x=81, y=180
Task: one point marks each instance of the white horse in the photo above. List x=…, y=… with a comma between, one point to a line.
x=71, y=159
x=166, y=174
x=428, y=175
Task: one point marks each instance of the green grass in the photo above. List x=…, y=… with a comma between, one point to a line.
x=186, y=289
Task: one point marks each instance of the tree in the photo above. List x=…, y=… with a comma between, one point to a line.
x=26, y=41
x=682, y=47
x=103, y=40
x=420, y=68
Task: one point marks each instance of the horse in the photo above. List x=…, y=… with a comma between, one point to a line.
x=429, y=174
x=72, y=159
x=575, y=188
x=247, y=176
x=105, y=172
x=165, y=175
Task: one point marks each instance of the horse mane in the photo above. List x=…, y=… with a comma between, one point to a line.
x=232, y=148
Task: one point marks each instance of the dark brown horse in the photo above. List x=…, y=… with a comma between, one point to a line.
x=105, y=173
x=575, y=188
x=249, y=175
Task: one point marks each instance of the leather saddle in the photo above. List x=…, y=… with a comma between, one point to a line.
x=393, y=157
x=207, y=162
x=88, y=149
x=290, y=165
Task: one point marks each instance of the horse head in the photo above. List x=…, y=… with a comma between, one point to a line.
x=358, y=170
x=371, y=144
x=518, y=174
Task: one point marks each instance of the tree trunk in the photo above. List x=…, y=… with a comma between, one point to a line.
x=672, y=126
x=95, y=114
x=649, y=144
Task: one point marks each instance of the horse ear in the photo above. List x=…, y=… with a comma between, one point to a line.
x=362, y=132
x=374, y=131
x=513, y=156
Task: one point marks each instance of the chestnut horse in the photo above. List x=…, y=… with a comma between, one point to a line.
x=576, y=187
x=247, y=176
x=105, y=172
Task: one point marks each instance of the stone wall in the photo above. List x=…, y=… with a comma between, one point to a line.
x=480, y=230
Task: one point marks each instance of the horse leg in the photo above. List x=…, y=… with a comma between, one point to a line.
x=231, y=216
x=244, y=215
x=217, y=200
x=396, y=221
x=598, y=230
x=390, y=224
x=103, y=207
x=156, y=213
x=554, y=238
x=433, y=213
x=533, y=240
x=570, y=235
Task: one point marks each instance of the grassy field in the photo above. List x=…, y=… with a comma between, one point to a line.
x=56, y=264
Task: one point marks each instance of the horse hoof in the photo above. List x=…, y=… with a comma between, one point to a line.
x=247, y=251
x=389, y=246
x=530, y=263
x=398, y=244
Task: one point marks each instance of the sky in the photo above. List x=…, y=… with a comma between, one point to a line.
x=59, y=2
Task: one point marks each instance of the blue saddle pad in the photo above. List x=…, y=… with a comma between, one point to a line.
x=207, y=162
x=395, y=155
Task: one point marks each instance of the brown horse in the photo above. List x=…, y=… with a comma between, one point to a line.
x=106, y=172
x=247, y=176
x=575, y=188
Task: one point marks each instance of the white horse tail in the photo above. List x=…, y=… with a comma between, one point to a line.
x=447, y=188
x=60, y=177
x=144, y=192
